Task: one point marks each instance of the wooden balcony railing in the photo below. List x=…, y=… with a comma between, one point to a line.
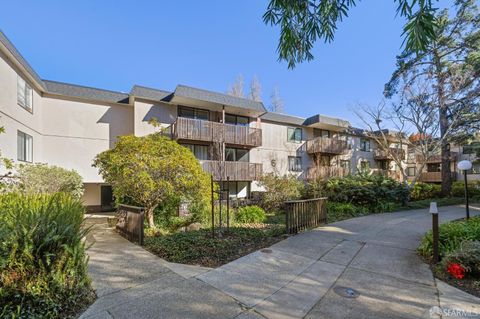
x=200, y=130
x=384, y=155
x=433, y=177
x=325, y=172
x=326, y=145
x=437, y=158
x=236, y=171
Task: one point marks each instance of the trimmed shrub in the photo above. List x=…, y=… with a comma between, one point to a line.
x=422, y=191
x=43, y=265
x=340, y=211
x=467, y=256
x=370, y=191
x=250, y=214
x=279, y=189
x=458, y=189
x=44, y=179
x=451, y=236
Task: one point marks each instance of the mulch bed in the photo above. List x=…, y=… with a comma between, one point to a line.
x=199, y=248
x=469, y=285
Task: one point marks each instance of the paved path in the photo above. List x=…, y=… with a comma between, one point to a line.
x=302, y=276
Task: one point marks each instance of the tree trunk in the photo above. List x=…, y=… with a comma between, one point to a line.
x=444, y=124
x=149, y=216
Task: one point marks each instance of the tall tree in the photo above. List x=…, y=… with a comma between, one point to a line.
x=302, y=22
x=255, y=90
x=451, y=64
x=276, y=102
x=236, y=89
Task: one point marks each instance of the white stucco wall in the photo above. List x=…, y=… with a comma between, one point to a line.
x=145, y=111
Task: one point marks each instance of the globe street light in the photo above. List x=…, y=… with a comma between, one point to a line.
x=465, y=166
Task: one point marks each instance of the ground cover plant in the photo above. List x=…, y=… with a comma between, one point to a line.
x=43, y=265
x=459, y=248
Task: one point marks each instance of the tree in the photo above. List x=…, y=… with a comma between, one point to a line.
x=5, y=179
x=276, y=102
x=255, y=90
x=302, y=22
x=151, y=170
x=236, y=89
x=44, y=179
x=451, y=66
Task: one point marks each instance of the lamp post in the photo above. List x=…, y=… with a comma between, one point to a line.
x=465, y=166
x=435, y=235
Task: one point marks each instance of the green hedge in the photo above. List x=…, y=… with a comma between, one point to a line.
x=422, y=191
x=43, y=265
x=451, y=236
x=458, y=189
x=250, y=214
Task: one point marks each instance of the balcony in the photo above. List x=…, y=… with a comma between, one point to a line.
x=200, y=130
x=236, y=171
x=326, y=172
x=383, y=155
x=437, y=158
x=389, y=173
x=326, y=145
x=433, y=177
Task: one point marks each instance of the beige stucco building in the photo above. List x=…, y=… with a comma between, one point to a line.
x=68, y=125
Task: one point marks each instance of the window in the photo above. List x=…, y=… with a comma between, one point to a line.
x=295, y=163
x=383, y=165
x=236, y=155
x=24, y=147
x=411, y=171
x=294, y=134
x=237, y=189
x=236, y=120
x=345, y=164
x=200, y=151
x=472, y=148
x=191, y=113
x=434, y=167
x=365, y=145
x=475, y=168
x=24, y=94
x=320, y=133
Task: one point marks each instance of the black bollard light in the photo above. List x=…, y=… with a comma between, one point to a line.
x=435, y=235
x=465, y=166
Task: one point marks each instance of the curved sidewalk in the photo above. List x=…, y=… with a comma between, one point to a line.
x=303, y=276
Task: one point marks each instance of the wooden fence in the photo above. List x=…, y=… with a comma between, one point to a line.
x=304, y=214
x=130, y=223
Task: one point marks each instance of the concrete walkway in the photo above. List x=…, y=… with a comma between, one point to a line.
x=309, y=275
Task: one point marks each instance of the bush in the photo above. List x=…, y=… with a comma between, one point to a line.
x=370, y=191
x=468, y=256
x=451, y=236
x=43, y=265
x=279, y=189
x=341, y=211
x=458, y=189
x=43, y=179
x=250, y=214
x=422, y=191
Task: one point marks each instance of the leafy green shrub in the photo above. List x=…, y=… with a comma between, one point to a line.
x=250, y=214
x=43, y=265
x=458, y=189
x=451, y=236
x=44, y=179
x=468, y=256
x=341, y=211
x=424, y=191
x=279, y=189
x=371, y=191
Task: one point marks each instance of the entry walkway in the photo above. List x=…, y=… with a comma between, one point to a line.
x=360, y=268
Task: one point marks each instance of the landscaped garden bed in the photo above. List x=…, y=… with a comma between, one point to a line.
x=459, y=249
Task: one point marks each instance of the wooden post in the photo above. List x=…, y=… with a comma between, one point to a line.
x=436, y=257
x=213, y=208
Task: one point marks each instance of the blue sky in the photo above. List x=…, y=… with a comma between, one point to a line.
x=207, y=44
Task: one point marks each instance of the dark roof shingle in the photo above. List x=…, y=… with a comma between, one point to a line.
x=283, y=118
x=85, y=92
x=149, y=93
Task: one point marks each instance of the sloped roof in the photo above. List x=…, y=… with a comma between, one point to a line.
x=218, y=98
x=85, y=92
x=149, y=93
x=11, y=48
x=283, y=118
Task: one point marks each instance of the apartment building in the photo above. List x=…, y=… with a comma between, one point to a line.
x=233, y=138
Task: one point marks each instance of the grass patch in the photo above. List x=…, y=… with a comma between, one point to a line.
x=199, y=248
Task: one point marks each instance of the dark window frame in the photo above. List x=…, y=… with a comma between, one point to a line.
x=195, y=110
x=296, y=165
x=295, y=130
